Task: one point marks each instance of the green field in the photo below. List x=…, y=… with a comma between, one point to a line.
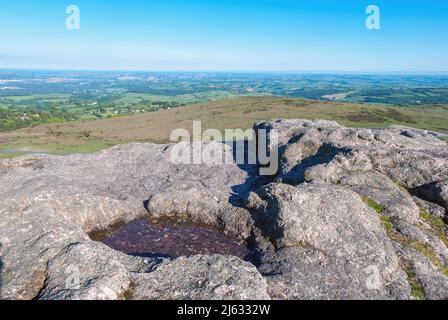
x=242, y=112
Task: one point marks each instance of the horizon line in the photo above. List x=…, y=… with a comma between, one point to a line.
x=346, y=72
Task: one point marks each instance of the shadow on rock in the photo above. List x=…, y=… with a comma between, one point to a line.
x=431, y=192
x=152, y=255
x=1, y=270
x=435, y=192
x=325, y=154
x=253, y=180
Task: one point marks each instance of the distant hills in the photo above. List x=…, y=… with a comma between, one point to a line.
x=242, y=112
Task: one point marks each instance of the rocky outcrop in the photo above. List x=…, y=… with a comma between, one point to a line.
x=49, y=205
x=351, y=214
x=327, y=238
x=201, y=278
x=380, y=164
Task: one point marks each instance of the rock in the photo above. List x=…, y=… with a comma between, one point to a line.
x=376, y=186
x=306, y=144
x=384, y=165
x=91, y=271
x=95, y=191
x=202, y=278
x=431, y=208
x=434, y=283
x=435, y=192
x=342, y=219
x=382, y=136
x=415, y=233
x=365, y=135
x=410, y=134
x=328, y=243
x=49, y=205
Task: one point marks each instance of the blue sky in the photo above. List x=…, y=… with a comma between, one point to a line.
x=219, y=35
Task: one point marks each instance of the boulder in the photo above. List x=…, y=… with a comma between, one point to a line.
x=328, y=244
x=201, y=278
x=50, y=204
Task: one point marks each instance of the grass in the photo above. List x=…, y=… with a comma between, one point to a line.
x=402, y=187
x=128, y=294
x=387, y=223
x=373, y=204
x=417, y=291
x=438, y=226
x=23, y=164
x=7, y=155
x=420, y=247
x=132, y=98
x=69, y=146
x=57, y=97
x=233, y=113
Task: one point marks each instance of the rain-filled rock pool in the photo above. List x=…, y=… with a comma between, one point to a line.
x=169, y=239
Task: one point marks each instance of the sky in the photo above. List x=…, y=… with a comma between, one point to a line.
x=220, y=35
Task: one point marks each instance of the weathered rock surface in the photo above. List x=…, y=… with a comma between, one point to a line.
x=49, y=204
x=409, y=158
x=436, y=192
x=329, y=228
x=202, y=278
x=434, y=284
x=351, y=214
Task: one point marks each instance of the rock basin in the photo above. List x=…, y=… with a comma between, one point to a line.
x=169, y=239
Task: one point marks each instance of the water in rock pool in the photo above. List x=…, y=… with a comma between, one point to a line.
x=142, y=238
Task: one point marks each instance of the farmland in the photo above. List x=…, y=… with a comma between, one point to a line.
x=64, y=112
x=241, y=112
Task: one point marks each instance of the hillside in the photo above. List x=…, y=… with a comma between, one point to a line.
x=91, y=136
